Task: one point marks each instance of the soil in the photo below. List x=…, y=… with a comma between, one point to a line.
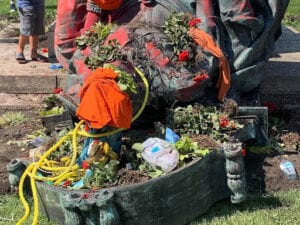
x=14, y=142
x=262, y=170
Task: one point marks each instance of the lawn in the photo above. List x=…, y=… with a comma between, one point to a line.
x=292, y=16
x=279, y=209
x=4, y=7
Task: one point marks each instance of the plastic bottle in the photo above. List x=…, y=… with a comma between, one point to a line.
x=288, y=169
x=158, y=152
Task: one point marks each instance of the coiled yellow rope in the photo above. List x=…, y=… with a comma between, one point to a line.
x=65, y=172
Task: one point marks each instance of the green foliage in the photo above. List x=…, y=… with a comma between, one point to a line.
x=259, y=149
x=50, y=16
x=50, y=101
x=53, y=111
x=12, y=118
x=102, y=173
x=66, y=148
x=101, y=53
x=276, y=125
x=198, y=119
x=51, y=106
x=188, y=149
x=176, y=29
x=125, y=80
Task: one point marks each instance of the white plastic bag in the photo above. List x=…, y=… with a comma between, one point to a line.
x=288, y=169
x=158, y=152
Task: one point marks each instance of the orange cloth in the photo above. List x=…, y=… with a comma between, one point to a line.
x=102, y=102
x=108, y=4
x=207, y=43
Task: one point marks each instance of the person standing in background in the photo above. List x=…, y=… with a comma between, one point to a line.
x=32, y=15
x=12, y=6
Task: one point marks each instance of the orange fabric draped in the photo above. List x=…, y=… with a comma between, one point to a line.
x=102, y=102
x=108, y=4
x=204, y=40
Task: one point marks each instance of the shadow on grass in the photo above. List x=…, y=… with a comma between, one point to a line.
x=51, y=7
x=225, y=208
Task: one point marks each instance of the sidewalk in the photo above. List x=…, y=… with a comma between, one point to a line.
x=29, y=78
x=282, y=79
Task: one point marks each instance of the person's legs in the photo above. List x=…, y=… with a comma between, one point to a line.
x=20, y=49
x=33, y=43
x=25, y=30
x=12, y=6
x=38, y=28
x=23, y=40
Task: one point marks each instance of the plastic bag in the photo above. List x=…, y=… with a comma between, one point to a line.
x=158, y=152
x=288, y=169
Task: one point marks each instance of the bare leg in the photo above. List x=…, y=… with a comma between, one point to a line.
x=33, y=42
x=23, y=40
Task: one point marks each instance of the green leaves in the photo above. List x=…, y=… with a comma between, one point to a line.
x=198, y=119
x=176, y=29
x=53, y=111
x=188, y=149
x=101, y=52
x=102, y=173
x=12, y=118
x=125, y=80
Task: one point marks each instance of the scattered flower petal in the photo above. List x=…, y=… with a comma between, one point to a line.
x=57, y=90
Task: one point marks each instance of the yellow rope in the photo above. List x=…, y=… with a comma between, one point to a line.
x=68, y=171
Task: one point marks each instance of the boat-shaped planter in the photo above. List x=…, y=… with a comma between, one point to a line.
x=174, y=199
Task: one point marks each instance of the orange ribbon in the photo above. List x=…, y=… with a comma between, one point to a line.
x=204, y=40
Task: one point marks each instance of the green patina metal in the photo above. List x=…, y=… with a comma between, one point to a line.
x=176, y=198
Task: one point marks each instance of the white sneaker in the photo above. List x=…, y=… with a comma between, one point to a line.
x=12, y=7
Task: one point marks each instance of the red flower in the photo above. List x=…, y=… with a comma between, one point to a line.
x=57, y=90
x=183, y=56
x=224, y=123
x=45, y=50
x=194, y=22
x=200, y=77
x=244, y=152
x=85, y=165
x=271, y=106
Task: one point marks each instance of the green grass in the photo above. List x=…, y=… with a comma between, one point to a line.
x=279, y=209
x=7, y=17
x=292, y=15
x=4, y=7
x=11, y=211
